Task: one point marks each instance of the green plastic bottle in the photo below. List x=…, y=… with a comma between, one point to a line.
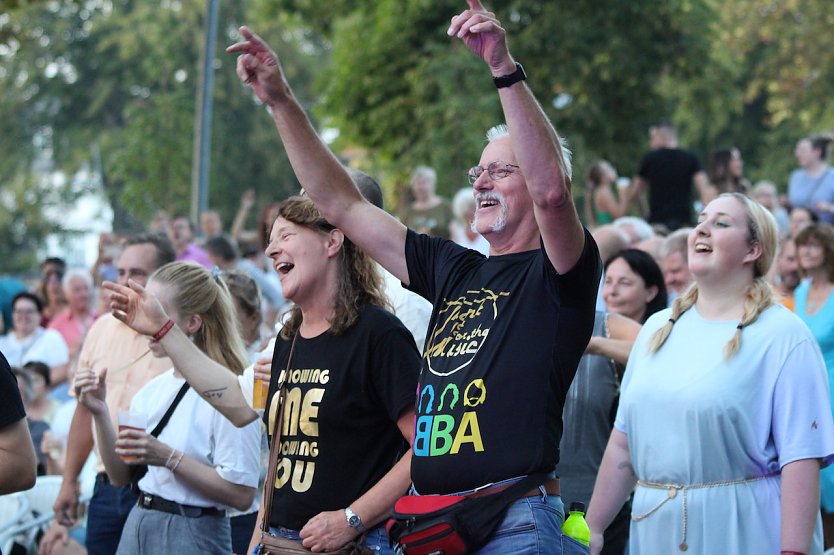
x=575, y=526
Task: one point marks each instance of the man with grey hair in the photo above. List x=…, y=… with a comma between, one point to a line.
x=674, y=261
x=507, y=330
x=429, y=213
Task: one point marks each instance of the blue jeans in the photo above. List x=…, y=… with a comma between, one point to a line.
x=375, y=539
x=242, y=528
x=532, y=526
x=106, y=516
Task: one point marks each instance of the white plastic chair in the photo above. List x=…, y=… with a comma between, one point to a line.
x=26, y=532
x=14, y=512
x=13, y=508
x=42, y=496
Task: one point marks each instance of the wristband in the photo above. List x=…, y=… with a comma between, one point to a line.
x=791, y=553
x=508, y=80
x=174, y=466
x=171, y=456
x=163, y=331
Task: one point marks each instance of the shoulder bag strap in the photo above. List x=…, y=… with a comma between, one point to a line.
x=137, y=472
x=269, y=485
x=167, y=416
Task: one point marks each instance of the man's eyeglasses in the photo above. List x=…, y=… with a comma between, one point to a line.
x=496, y=170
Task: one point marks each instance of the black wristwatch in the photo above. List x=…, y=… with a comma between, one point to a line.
x=511, y=79
x=353, y=520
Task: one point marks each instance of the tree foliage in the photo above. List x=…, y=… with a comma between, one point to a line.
x=111, y=84
x=402, y=88
x=766, y=82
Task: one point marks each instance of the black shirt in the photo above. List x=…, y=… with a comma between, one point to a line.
x=345, y=394
x=504, y=341
x=11, y=405
x=669, y=172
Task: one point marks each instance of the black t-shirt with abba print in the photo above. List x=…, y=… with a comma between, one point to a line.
x=345, y=394
x=504, y=341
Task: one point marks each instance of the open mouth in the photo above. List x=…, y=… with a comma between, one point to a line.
x=283, y=268
x=700, y=247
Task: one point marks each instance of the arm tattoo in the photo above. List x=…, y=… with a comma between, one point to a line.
x=214, y=393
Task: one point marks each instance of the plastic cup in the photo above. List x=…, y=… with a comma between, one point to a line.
x=259, y=394
x=131, y=421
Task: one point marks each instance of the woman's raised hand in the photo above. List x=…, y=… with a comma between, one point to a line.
x=258, y=67
x=136, y=307
x=90, y=390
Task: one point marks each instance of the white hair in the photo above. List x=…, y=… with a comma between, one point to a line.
x=77, y=273
x=501, y=130
x=640, y=227
x=676, y=242
x=424, y=172
x=463, y=203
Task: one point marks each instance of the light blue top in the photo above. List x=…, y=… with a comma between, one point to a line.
x=693, y=418
x=821, y=324
x=806, y=191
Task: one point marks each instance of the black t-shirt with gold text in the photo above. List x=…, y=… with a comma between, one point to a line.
x=345, y=394
x=504, y=341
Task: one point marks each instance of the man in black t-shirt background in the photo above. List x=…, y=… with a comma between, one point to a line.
x=18, y=462
x=670, y=173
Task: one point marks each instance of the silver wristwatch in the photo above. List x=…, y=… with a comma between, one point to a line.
x=353, y=520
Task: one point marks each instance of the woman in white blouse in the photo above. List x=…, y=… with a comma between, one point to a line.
x=200, y=465
x=29, y=342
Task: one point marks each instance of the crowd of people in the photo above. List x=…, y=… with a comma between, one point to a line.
x=665, y=359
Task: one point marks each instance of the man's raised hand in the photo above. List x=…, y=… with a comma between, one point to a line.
x=482, y=33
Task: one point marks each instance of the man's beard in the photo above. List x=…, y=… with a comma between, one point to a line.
x=501, y=222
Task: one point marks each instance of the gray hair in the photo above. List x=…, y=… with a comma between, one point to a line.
x=425, y=172
x=642, y=230
x=77, y=273
x=501, y=130
x=463, y=202
x=676, y=242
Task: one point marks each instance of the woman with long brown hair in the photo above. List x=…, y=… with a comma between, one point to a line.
x=350, y=370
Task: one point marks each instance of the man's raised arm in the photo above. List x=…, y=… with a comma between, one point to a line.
x=536, y=145
x=319, y=172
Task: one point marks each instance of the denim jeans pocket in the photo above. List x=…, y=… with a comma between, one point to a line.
x=571, y=546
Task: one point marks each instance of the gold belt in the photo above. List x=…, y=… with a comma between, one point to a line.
x=672, y=492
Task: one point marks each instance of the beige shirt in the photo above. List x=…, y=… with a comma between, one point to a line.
x=113, y=345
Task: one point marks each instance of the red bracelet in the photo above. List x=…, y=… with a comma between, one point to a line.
x=163, y=331
x=791, y=553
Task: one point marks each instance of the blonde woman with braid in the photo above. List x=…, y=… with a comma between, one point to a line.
x=724, y=419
